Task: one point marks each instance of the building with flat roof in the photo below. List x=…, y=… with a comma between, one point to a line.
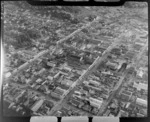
x=8, y=74
x=55, y=95
x=57, y=91
x=94, y=82
x=141, y=102
x=140, y=73
x=96, y=102
x=75, y=102
x=140, y=86
x=37, y=105
x=50, y=77
x=69, y=82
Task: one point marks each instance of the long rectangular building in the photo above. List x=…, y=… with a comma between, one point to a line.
x=37, y=105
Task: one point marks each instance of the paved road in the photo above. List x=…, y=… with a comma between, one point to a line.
x=92, y=67
x=26, y=87
x=80, y=50
x=117, y=88
x=105, y=105
x=25, y=65
x=78, y=30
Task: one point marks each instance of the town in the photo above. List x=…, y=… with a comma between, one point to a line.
x=98, y=67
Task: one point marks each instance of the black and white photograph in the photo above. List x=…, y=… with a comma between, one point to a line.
x=66, y=61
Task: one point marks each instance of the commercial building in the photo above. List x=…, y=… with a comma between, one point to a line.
x=37, y=105
x=94, y=82
x=75, y=102
x=50, y=78
x=95, y=102
x=140, y=86
x=69, y=83
x=141, y=102
x=140, y=73
x=55, y=95
x=8, y=74
x=60, y=91
x=51, y=64
x=107, y=113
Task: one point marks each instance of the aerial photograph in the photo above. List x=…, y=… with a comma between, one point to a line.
x=74, y=60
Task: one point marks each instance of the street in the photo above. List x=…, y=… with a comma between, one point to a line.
x=92, y=67
x=118, y=86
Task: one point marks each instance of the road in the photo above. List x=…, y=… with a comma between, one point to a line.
x=78, y=30
x=116, y=89
x=79, y=81
x=25, y=65
x=91, y=68
x=80, y=50
x=27, y=87
x=118, y=86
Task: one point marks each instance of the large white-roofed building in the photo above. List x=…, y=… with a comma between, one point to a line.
x=140, y=86
x=141, y=102
x=95, y=102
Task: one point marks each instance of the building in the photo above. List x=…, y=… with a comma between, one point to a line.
x=124, y=97
x=60, y=91
x=127, y=93
x=140, y=86
x=64, y=72
x=66, y=67
x=77, y=93
x=69, y=82
x=123, y=67
x=55, y=95
x=8, y=74
x=64, y=87
x=60, y=79
x=112, y=66
x=107, y=73
x=57, y=91
x=50, y=78
x=51, y=64
x=95, y=102
x=75, y=102
x=107, y=113
x=123, y=113
x=94, y=82
x=37, y=105
x=141, y=102
x=140, y=73
x=63, y=82
x=140, y=115
x=38, y=80
x=111, y=115
x=55, y=76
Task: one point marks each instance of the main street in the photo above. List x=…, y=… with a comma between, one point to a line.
x=91, y=68
x=29, y=89
x=40, y=54
x=118, y=86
